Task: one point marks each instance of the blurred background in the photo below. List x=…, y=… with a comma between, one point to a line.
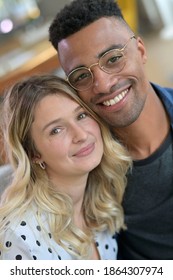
x=25, y=49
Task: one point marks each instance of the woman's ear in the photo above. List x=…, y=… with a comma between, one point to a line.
x=36, y=159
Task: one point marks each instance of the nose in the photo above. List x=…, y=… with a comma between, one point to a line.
x=102, y=81
x=79, y=133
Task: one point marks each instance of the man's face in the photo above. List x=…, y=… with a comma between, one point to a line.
x=118, y=98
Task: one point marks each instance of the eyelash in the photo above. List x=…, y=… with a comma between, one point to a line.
x=81, y=116
x=53, y=131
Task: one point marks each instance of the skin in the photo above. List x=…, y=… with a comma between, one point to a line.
x=139, y=119
x=68, y=141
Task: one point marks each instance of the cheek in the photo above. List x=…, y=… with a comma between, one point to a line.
x=50, y=149
x=53, y=152
x=135, y=68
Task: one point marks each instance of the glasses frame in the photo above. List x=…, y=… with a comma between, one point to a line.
x=100, y=66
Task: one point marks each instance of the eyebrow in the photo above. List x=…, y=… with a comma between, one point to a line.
x=118, y=46
x=56, y=121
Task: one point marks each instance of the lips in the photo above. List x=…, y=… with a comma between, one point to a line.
x=85, y=151
x=116, y=99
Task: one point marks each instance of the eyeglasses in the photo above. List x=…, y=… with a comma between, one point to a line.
x=113, y=61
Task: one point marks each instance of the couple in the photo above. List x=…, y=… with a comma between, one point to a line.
x=104, y=61
x=64, y=201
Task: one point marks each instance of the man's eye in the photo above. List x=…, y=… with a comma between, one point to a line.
x=55, y=131
x=82, y=76
x=114, y=59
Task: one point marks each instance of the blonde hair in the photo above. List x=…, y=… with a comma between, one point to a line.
x=31, y=185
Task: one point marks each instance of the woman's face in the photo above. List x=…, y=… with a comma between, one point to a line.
x=67, y=139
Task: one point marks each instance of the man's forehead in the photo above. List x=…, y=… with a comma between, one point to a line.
x=82, y=47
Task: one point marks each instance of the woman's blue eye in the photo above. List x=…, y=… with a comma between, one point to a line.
x=55, y=131
x=82, y=116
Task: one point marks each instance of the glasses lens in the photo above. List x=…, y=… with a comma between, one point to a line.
x=112, y=62
x=80, y=79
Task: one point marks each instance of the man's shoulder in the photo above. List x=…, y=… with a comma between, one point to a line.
x=162, y=90
x=166, y=96
x=164, y=93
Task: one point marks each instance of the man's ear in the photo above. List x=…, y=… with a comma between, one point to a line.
x=142, y=49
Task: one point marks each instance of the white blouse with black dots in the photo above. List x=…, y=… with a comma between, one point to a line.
x=25, y=240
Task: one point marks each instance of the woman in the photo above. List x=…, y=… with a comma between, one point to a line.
x=64, y=201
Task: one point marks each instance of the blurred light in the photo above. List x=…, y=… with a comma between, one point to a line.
x=6, y=25
x=34, y=13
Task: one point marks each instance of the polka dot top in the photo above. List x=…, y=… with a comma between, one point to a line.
x=25, y=240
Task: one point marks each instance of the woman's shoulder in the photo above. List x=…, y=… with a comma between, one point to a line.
x=27, y=225
x=107, y=245
x=25, y=238
x=28, y=237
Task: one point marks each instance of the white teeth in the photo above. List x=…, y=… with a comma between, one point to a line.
x=116, y=99
x=112, y=101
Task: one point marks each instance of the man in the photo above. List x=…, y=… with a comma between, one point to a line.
x=105, y=63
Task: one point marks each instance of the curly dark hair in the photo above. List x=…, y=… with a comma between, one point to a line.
x=78, y=14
